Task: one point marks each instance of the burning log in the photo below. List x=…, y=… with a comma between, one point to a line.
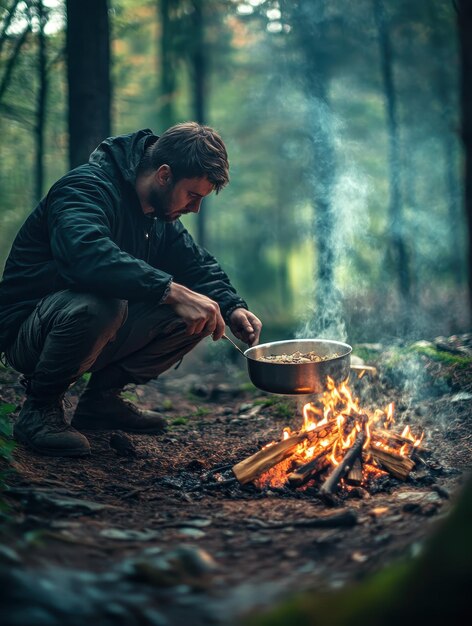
x=397, y=465
x=354, y=476
x=395, y=441
x=303, y=473
x=255, y=465
x=331, y=483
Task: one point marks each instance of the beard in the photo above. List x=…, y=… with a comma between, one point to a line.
x=161, y=203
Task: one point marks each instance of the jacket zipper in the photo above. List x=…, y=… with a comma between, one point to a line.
x=147, y=236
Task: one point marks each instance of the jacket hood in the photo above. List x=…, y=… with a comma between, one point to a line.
x=121, y=155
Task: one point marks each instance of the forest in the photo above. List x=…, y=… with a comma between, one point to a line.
x=345, y=216
x=198, y=492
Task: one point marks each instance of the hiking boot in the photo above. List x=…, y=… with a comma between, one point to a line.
x=106, y=410
x=42, y=427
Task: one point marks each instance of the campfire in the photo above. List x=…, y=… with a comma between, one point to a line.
x=339, y=445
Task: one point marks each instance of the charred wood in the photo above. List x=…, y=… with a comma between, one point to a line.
x=354, y=476
x=331, y=483
x=397, y=465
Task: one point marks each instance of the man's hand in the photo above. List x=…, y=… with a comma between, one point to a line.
x=200, y=314
x=245, y=326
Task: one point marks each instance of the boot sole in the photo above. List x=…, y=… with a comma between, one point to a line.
x=50, y=451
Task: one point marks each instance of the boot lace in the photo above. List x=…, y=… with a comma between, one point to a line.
x=53, y=415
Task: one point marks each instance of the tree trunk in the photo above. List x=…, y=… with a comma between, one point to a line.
x=465, y=35
x=167, y=65
x=88, y=73
x=41, y=102
x=444, y=92
x=398, y=245
x=199, y=76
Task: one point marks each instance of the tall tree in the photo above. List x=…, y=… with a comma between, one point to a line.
x=168, y=61
x=88, y=74
x=398, y=244
x=198, y=72
x=464, y=21
x=17, y=41
x=40, y=98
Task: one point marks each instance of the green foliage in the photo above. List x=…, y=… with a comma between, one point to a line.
x=129, y=395
x=180, y=421
x=280, y=408
x=6, y=445
x=201, y=412
x=442, y=356
x=283, y=410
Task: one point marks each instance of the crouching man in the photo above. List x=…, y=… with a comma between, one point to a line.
x=103, y=278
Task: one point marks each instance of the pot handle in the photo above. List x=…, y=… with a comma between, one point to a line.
x=368, y=369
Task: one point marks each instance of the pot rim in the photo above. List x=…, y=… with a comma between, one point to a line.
x=252, y=349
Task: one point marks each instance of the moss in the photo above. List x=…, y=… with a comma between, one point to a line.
x=129, y=395
x=247, y=387
x=201, y=412
x=179, y=421
x=283, y=410
x=368, y=356
x=7, y=445
x=448, y=358
x=269, y=401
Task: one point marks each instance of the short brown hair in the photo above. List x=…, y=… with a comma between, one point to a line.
x=192, y=151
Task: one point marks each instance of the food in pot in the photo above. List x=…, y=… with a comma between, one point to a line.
x=297, y=357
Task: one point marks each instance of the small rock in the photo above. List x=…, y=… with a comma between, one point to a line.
x=9, y=555
x=195, y=465
x=122, y=445
x=359, y=557
x=418, y=496
x=125, y=534
x=194, y=533
x=461, y=396
x=184, y=565
x=245, y=406
x=259, y=539
x=290, y=554
x=444, y=493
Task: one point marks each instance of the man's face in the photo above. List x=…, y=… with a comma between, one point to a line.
x=170, y=201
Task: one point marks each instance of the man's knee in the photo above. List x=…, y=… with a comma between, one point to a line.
x=100, y=314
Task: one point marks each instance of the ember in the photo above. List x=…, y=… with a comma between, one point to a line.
x=339, y=443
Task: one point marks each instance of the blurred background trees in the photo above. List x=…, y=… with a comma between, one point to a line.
x=345, y=216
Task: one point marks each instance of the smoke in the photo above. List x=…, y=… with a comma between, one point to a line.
x=341, y=220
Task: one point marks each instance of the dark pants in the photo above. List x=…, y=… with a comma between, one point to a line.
x=70, y=333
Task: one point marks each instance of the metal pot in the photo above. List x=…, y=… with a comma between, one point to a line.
x=298, y=378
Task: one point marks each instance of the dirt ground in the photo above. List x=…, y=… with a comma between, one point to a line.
x=141, y=502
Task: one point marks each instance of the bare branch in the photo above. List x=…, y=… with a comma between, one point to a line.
x=6, y=23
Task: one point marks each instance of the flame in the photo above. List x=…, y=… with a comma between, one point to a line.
x=340, y=412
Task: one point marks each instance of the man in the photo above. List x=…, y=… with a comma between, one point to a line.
x=103, y=278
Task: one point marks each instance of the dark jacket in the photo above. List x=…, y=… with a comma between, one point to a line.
x=90, y=234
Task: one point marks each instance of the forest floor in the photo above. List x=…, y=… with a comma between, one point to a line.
x=134, y=533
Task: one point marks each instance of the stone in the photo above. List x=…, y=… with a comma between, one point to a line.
x=123, y=534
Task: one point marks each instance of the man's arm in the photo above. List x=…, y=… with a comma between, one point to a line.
x=80, y=215
x=200, y=314
x=193, y=266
